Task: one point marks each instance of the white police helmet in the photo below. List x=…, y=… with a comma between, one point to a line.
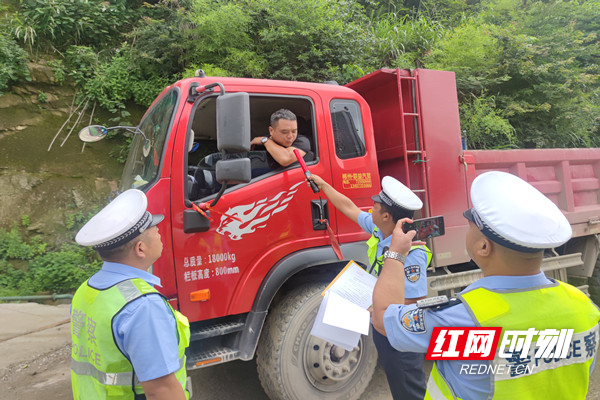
x=514, y=214
x=395, y=194
x=120, y=221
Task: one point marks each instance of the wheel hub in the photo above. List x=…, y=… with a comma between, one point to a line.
x=329, y=366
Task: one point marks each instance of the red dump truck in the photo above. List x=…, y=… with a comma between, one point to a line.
x=245, y=254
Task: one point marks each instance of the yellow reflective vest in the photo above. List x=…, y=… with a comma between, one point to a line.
x=376, y=262
x=555, y=306
x=98, y=368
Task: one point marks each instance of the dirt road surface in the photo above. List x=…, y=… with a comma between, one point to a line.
x=43, y=370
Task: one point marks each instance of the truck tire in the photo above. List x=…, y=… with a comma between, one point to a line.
x=293, y=365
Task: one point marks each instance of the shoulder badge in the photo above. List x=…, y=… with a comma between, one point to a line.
x=412, y=272
x=432, y=301
x=437, y=303
x=414, y=321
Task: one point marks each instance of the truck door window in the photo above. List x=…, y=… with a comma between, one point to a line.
x=347, y=128
x=202, y=151
x=142, y=165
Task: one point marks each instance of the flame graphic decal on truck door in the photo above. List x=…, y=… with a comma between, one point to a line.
x=254, y=215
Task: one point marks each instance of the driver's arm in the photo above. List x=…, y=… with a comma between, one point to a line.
x=283, y=155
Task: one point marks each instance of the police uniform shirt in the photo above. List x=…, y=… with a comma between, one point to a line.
x=415, y=281
x=409, y=329
x=144, y=329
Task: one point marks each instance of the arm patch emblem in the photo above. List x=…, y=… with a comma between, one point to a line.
x=414, y=321
x=412, y=272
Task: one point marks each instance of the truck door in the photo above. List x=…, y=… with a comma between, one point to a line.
x=254, y=225
x=353, y=161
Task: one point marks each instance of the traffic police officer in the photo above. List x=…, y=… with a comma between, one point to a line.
x=510, y=225
x=128, y=343
x=404, y=370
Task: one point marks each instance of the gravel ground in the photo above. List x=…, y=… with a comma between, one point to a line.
x=47, y=377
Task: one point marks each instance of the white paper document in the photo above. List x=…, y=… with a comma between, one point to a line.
x=343, y=314
x=354, y=284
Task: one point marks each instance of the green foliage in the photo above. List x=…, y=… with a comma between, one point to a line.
x=80, y=22
x=472, y=51
x=308, y=40
x=538, y=60
x=158, y=45
x=113, y=82
x=348, y=72
x=73, y=219
x=224, y=31
x=209, y=70
x=27, y=267
x=58, y=70
x=80, y=62
x=12, y=246
x=42, y=97
x=449, y=11
x=109, y=85
x=403, y=42
x=62, y=271
x=11, y=279
x=13, y=62
x=25, y=220
x=550, y=52
x=484, y=125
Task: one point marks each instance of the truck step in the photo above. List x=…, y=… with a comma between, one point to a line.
x=219, y=329
x=212, y=356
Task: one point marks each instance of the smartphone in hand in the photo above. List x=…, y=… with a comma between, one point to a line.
x=426, y=228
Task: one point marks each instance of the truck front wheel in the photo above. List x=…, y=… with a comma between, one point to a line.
x=294, y=365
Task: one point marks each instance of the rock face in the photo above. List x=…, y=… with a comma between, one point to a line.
x=53, y=203
x=57, y=188
x=41, y=73
x=9, y=100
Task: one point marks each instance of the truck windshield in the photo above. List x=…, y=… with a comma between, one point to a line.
x=145, y=154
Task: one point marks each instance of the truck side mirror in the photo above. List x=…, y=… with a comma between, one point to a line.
x=233, y=122
x=92, y=133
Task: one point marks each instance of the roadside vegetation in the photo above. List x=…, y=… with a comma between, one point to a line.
x=28, y=265
x=527, y=71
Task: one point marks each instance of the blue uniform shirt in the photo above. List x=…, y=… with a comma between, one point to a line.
x=409, y=329
x=145, y=329
x=415, y=282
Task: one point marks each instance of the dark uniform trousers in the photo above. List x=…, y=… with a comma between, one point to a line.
x=404, y=370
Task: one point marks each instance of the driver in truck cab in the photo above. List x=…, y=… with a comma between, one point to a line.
x=282, y=140
x=404, y=370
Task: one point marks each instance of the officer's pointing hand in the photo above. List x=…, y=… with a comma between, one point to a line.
x=318, y=180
